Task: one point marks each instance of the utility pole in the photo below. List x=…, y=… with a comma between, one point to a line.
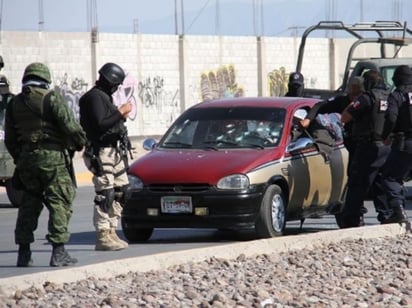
x=176, y=27
x=397, y=10
x=136, y=25
x=217, y=17
x=1, y=17
x=254, y=17
x=182, y=15
x=41, y=16
x=262, y=23
x=361, y=10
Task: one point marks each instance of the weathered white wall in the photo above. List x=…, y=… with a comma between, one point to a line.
x=161, y=80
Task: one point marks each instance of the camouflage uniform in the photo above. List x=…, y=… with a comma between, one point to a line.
x=41, y=134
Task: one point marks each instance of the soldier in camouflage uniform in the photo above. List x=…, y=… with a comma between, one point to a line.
x=41, y=134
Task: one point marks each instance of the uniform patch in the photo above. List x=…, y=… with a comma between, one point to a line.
x=383, y=105
x=356, y=105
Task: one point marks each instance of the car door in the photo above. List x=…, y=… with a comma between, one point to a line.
x=309, y=171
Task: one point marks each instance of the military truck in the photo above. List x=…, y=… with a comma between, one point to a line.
x=385, y=40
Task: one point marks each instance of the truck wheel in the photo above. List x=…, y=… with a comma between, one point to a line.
x=271, y=220
x=13, y=194
x=134, y=235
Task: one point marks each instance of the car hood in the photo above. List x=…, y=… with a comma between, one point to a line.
x=198, y=166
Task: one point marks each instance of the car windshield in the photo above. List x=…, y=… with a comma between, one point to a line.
x=234, y=127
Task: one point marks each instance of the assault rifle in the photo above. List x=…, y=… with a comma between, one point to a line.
x=126, y=148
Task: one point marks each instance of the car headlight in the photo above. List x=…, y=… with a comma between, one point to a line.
x=135, y=183
x=235, y=181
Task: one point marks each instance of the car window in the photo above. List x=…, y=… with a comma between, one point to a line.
x=240, y=127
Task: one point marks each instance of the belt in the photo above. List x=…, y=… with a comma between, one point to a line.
x=112, y=144
x=43, y=146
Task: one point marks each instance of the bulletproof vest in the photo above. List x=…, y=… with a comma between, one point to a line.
x=95, y=133
x=371, y=125
x=32, y=115
x=404, y=120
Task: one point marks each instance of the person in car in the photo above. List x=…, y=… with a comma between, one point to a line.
x=40, y=133
x=104, y=125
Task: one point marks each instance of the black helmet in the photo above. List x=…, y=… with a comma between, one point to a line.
x=402, y=75
x=112, y=73
x=1, y=62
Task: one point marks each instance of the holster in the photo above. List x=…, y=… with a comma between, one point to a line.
x=96, y=166
x=68, y=155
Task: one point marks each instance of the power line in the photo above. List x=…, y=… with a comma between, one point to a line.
x=198, y=14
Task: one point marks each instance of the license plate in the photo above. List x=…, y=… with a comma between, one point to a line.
x=176, y=205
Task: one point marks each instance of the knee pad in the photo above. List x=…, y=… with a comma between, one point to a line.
x=120, y=194
x=104, y=199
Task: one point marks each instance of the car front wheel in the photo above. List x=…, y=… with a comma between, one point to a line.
x=136, y=234
x=271, y=220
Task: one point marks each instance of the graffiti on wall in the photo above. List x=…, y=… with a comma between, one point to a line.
x=220, y=83
x=71, y=91
x=153, y=95
x=278, y=82
x=126, y=93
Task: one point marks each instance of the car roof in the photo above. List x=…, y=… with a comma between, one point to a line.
x=275, y=102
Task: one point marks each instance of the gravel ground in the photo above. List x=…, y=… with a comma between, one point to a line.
x=351, y=273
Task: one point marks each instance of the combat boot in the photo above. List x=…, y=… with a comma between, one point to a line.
x=24, y=257
x=105, y=241
x=116, y=238
x=398, y=216
x=60, y=257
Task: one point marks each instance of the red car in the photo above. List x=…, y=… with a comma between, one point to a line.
x=234, y=163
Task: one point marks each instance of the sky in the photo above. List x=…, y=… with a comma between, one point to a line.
x=194, y=17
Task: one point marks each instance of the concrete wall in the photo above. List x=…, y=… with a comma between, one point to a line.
x=167, y=74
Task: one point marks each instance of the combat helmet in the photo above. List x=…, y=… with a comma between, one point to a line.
x=38, y=70
x=402, y=75
x=112, y=73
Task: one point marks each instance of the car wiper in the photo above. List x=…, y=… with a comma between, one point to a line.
x=177, y=144
x=253, y=145
x=209, y=147
x=221, y=142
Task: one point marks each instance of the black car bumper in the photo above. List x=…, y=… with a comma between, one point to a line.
x=220, y=209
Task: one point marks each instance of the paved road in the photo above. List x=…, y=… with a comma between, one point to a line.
x=81, y=244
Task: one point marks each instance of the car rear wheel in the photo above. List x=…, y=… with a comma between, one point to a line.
x=136, y=234
x=13, y=194
x=271, y=220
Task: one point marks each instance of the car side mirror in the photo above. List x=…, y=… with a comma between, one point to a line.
x=149, y=144
x=299, y=144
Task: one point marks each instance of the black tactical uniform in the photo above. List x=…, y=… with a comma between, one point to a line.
x=398, y=120
x=370, y=153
